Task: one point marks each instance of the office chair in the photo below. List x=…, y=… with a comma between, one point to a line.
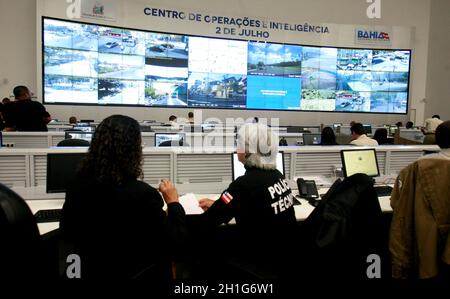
x=343, y=230
x=21, y=249
x=170, y=143
x=73, y=142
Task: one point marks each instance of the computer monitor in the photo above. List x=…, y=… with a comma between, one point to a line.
x=238, y=168
x=61, y=170
x=312, y=139
x=79, y=135
x=367, y=129
x=169, y=139
x=84, y=128
x=360, y=161
x=393, y=130
x=88, y=121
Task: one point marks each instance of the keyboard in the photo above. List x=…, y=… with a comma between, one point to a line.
x=53, y=215
x=383, y=190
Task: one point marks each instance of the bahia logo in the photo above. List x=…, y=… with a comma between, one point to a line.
x=373, y=35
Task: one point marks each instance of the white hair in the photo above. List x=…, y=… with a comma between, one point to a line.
x=260, y=145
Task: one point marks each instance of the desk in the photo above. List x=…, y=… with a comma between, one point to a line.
x=56, y=201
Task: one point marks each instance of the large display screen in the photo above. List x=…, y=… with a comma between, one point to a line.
x=93, y=64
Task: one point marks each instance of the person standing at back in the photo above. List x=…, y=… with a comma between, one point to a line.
x=191, y=118
x=359, y=136
x=429, y=129
x=26, y=115
x=431, y=124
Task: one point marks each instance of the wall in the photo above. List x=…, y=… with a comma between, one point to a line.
x=438, y=77
x=413, y=14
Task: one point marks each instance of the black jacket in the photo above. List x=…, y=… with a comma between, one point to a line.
x=344, y=229
x=26, y=116
x=120, y=230
x=262, y=204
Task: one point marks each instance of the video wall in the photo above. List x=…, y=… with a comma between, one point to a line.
x=93, y=64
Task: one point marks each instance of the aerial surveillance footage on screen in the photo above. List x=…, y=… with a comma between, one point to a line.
x=102, y=65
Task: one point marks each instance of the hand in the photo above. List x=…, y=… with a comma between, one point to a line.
x=205, y=203
x=169, y=192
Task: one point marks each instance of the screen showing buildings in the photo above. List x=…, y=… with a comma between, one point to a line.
x=93, y=64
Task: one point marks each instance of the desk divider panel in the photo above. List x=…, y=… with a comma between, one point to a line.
x=316, y=164
x=55, y=140
x=26, y=141
x=381, y=158
x=38, y=171
x=287, y=165
x=401, y=159
x=14, y=170
x=202, y=168
x=157, y=167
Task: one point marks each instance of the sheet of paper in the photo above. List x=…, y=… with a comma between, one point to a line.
x=190, y=204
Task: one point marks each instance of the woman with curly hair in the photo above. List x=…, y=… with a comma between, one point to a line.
x=116, y=222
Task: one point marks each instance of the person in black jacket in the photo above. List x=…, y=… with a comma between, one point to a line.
x=328, y=137
x=115, y=221
x=261, y=201
x=24, y=114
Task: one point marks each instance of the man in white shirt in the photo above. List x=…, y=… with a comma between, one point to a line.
x=443, y=140
x=431, y=124
x=359, y=137
x=173, y=122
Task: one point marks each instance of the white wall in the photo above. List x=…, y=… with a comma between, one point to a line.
x=438, y=78
x=412, y=14
x=17, y=45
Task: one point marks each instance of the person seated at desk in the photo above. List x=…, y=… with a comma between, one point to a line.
x=73, y=121
x=443, y=140
x=419, y=234
x=381, y=136
x=173, y=122
x=116, y=222
x=359, y=137
x=260, y=201
x=429, y=129
x=328, y=137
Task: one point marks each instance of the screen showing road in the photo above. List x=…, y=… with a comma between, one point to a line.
x=95, y=64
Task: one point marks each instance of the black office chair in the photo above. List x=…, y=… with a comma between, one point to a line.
x=21, y=243
x=343, y=230
x=73, y=142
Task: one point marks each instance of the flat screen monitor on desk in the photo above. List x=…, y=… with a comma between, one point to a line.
x=239, y=169
x=367, y=129
x=169, y=139
x=360, y=161
x=84, y=128
x=61, y=170
x=312, y=139
x=393, y=130
x=79, y=135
